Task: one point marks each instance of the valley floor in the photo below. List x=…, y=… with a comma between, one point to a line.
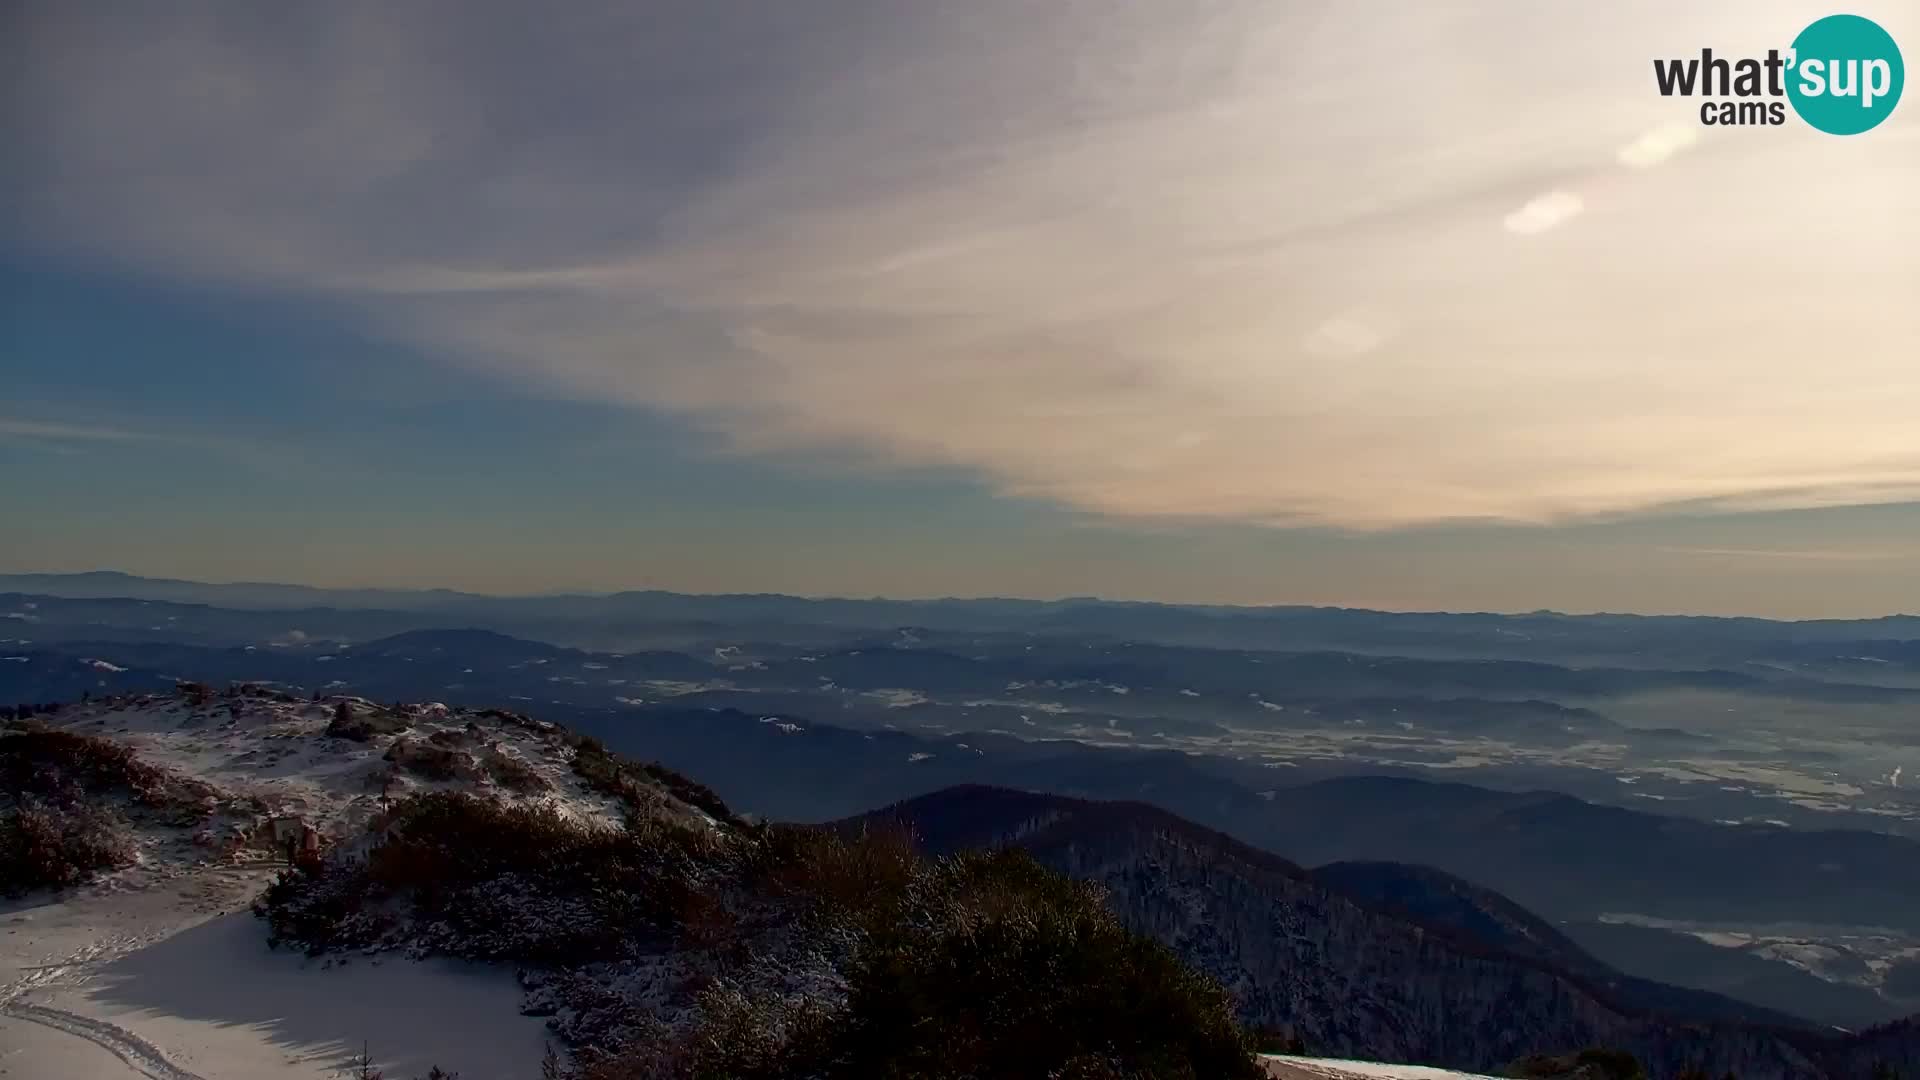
x=169, y=978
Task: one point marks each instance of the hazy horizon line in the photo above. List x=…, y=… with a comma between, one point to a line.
x=977, y=599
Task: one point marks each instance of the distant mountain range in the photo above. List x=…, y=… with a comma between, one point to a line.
x=1140, y=683
x=1395, y=962
x=619, y=620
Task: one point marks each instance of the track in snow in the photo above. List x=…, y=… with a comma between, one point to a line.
x=139, y=1054
x=62, y=970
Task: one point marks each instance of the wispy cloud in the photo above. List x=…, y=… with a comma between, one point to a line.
x=11, y=428
x=68, y=439
x=1282, y=264
x=1814, y=554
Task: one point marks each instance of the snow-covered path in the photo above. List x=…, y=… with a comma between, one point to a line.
x=137, y=1053
x=30, y=1051
x=171, y=979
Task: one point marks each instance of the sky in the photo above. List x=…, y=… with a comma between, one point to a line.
x=1250, y=301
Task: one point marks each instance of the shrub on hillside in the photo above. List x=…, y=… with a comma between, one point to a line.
x=45, y=848
x=1000, y=967
x=41, y=762
x=65, y=769
x=863, y=877
x=63, y=802
x=489, y=881
x=983, y=964
x=432, y=760
x=363, y=725
x=610, y=774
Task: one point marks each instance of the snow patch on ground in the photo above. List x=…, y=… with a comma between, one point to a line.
x=171, y=979
x=896, y=698
x=1856, y=955
x=1302, y=1068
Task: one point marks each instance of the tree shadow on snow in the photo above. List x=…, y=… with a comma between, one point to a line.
x=410, y=1015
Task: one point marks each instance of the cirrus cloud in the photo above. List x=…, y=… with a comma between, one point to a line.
x=1288, y=265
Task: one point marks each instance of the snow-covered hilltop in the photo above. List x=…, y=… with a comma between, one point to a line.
x=156, y=960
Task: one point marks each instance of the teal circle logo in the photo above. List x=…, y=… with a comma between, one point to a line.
x=1846, y=75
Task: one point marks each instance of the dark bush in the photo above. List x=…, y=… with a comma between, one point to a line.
x=66, y=769
x=319, y=907
x=45, y=848
x=435, y=762
x=980, y=965
x=364, y=725
x=864, y=877
x=42, y=761
x=1000, y=967
x=499, y=882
